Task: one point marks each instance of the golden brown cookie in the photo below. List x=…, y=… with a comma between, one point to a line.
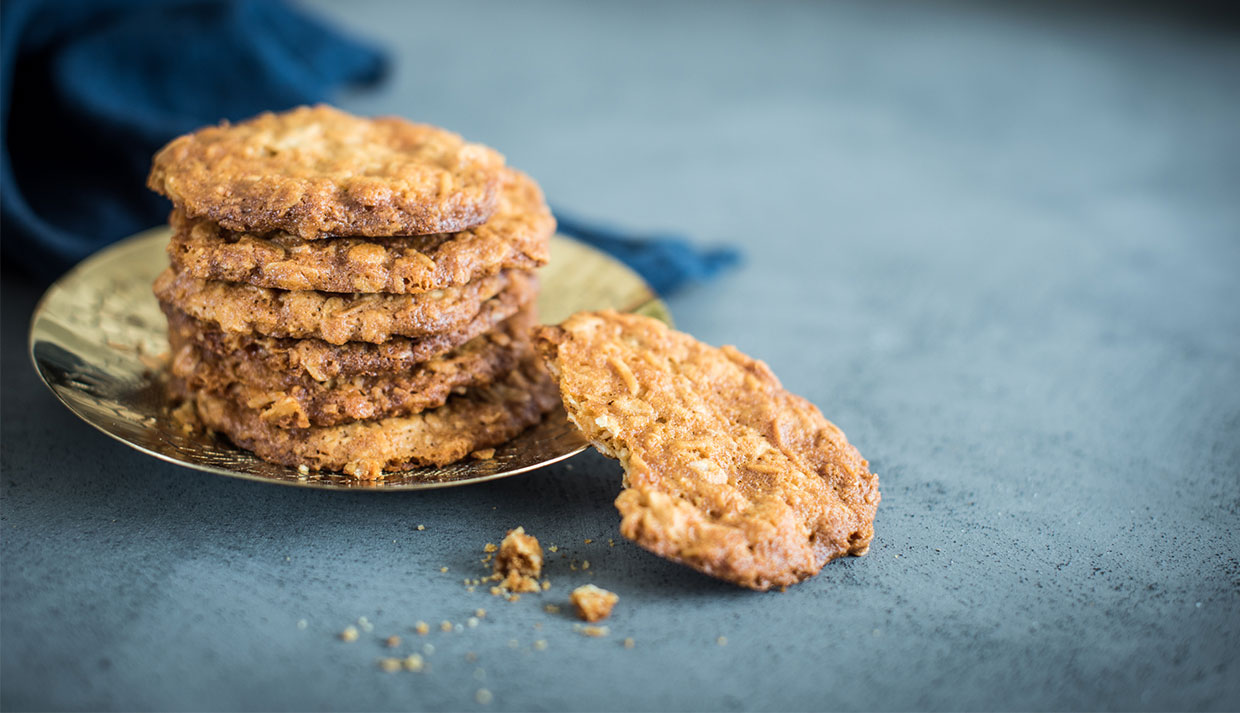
x=479, y=418
x=518, y=236
x=334, y=318
x=318, y=171
x=292, y=399
x=322, y=361
x=725, y=471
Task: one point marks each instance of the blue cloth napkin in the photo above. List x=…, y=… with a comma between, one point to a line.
x=90, y=90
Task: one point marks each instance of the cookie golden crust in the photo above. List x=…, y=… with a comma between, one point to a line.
x=725, y=471
x=518, y=236
x=331, y=317
x=292, y=399
x=321, y=361
x=480, y=418
x=317, y=172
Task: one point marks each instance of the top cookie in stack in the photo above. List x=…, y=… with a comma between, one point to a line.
x=352, y=294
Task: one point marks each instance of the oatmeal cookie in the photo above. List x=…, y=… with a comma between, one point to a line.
x=321, y=361
x=479, y=418
x=292, y=399
x=334, y=318
x=518, y=236
x=725, y=471
x=317, y=172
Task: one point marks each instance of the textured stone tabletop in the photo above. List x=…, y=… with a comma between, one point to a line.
x=1000, y=249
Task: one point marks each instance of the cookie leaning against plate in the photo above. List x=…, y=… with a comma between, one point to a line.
x=322, y=361
x=291, y=399
x=725, y=471
x=478, y=419
x=517, y=236
x=333, y=317
x=318, y=171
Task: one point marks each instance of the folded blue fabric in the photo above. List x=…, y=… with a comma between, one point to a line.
x=666, y=262
x=90, y=90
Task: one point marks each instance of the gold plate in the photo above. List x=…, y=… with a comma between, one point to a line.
x=97, y=338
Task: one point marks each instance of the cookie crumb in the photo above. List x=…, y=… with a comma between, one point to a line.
x=421, y=527
x=593, y=603
x=349, y=634
x=413, y=662
x=551, y=609
x=443, y=569
x=302, y=623
x=422, y=628
x=484, y=454
x=472, y=622
x=518, y=562
x=186, y=416
x=483, y=696
x=540, y=645
x=629, y=643
x=588, y=541
x=365, y=624
x=445, y=625
x=490, y=547
x=480, y=613
x=390, y=665
x=554, y=548
x=428, y=649
x=585, y=564
x=595, y=631
x=392, y=642
x=722, y=641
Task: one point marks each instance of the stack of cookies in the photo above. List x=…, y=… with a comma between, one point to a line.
x=352, y=294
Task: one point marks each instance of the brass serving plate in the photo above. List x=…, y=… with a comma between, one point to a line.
x=98, y=341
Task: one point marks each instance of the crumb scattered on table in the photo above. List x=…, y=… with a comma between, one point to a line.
x=519, y=561
x=591, y=630
x=593, y=603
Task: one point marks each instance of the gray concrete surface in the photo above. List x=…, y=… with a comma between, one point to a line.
x=999, y=248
